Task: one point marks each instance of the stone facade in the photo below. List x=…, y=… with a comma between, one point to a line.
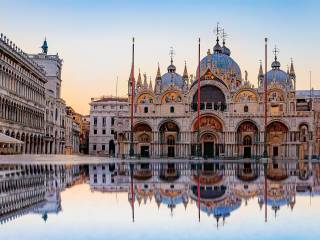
x=55, y=105
x=103, y=112
x=231, y=113
x=31, y=107
x=22, y=97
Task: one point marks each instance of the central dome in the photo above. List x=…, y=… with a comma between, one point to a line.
x=221, y=62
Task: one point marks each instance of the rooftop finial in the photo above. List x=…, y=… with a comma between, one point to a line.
x=45, y=46
x=171, y=54
x=171, y=68
x=224, y=36
x=276, y=63
x=217, y=47
x=275, y=51
x=217, y=31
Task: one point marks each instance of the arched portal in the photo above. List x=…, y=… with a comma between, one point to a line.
x=208, y=142
x=211, y=97
x=210, y=128
x=169, y=133
x=276, y=138
x=143, y=135
x=247, y=139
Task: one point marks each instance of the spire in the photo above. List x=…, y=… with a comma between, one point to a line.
x=145, y=83
x=130, y=82
x=260, y=75
x=158, y=73
x=45, y=46
x=139, y=82
x=185, y=72
x=260, y=70
x=217, y=47
x=150, y=85
x=292, y=72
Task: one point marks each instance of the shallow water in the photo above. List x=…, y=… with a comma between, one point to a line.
x=94, y=201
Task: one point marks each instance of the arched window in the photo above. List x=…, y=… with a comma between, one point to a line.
x=247, y=141
x=146, y=110
x=172, y=109
x=170, y=140
x=246, y=108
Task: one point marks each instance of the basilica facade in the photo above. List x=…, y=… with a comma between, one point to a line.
x=231, y=123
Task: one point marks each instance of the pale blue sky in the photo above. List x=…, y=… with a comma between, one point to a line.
x=94, y=37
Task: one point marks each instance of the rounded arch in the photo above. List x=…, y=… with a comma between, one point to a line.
x=246, y=95
x=247, y=140
x=277, y=126
x=210, y=94
x=169, y=126
x=142, y=127
x=145, y=97
x=276, y=94
x=208, y=122
x=171, y=96
x=247, y=125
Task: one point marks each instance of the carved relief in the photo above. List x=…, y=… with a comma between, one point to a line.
x=277, y=127
x=247, y=127
x=208, y=123
x=275, y=96
x=246, y=96
x=171, y=97
x=142, y=127
x=145, y=98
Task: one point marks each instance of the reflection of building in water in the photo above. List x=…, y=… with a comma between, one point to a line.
x=33, y=188
x=51, y=205
x=108, y=177
x=210, y=189
x=279, y=194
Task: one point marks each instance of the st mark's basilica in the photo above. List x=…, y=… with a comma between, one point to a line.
x=231, y=122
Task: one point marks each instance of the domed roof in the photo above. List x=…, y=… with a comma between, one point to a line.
x=171, y=77
x=220, y=60
x=276, y=75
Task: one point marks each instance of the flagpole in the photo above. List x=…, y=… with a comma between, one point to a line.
x=265, y=152
x=198, y=133
x=132, y=101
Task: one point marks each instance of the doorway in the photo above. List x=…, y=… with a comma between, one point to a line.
x=275, y=151
x=208, y=149
x=144, y=151
x=247, y=152
x=170, y=151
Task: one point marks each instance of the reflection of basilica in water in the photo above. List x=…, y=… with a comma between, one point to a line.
x=217, y=189
x=34, y=189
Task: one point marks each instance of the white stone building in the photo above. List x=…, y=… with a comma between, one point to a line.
x=231, y=123
x=55, y=105
x=22, y=97
x=103, y=112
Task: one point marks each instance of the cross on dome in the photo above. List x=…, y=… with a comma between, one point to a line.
x=171, y=54
x=276, y=51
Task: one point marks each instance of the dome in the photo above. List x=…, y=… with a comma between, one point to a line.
x=276, y=75
x=171, y=77
x=226, y=50
x=220, y=61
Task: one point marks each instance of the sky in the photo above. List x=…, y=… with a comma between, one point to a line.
x=94, y=37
